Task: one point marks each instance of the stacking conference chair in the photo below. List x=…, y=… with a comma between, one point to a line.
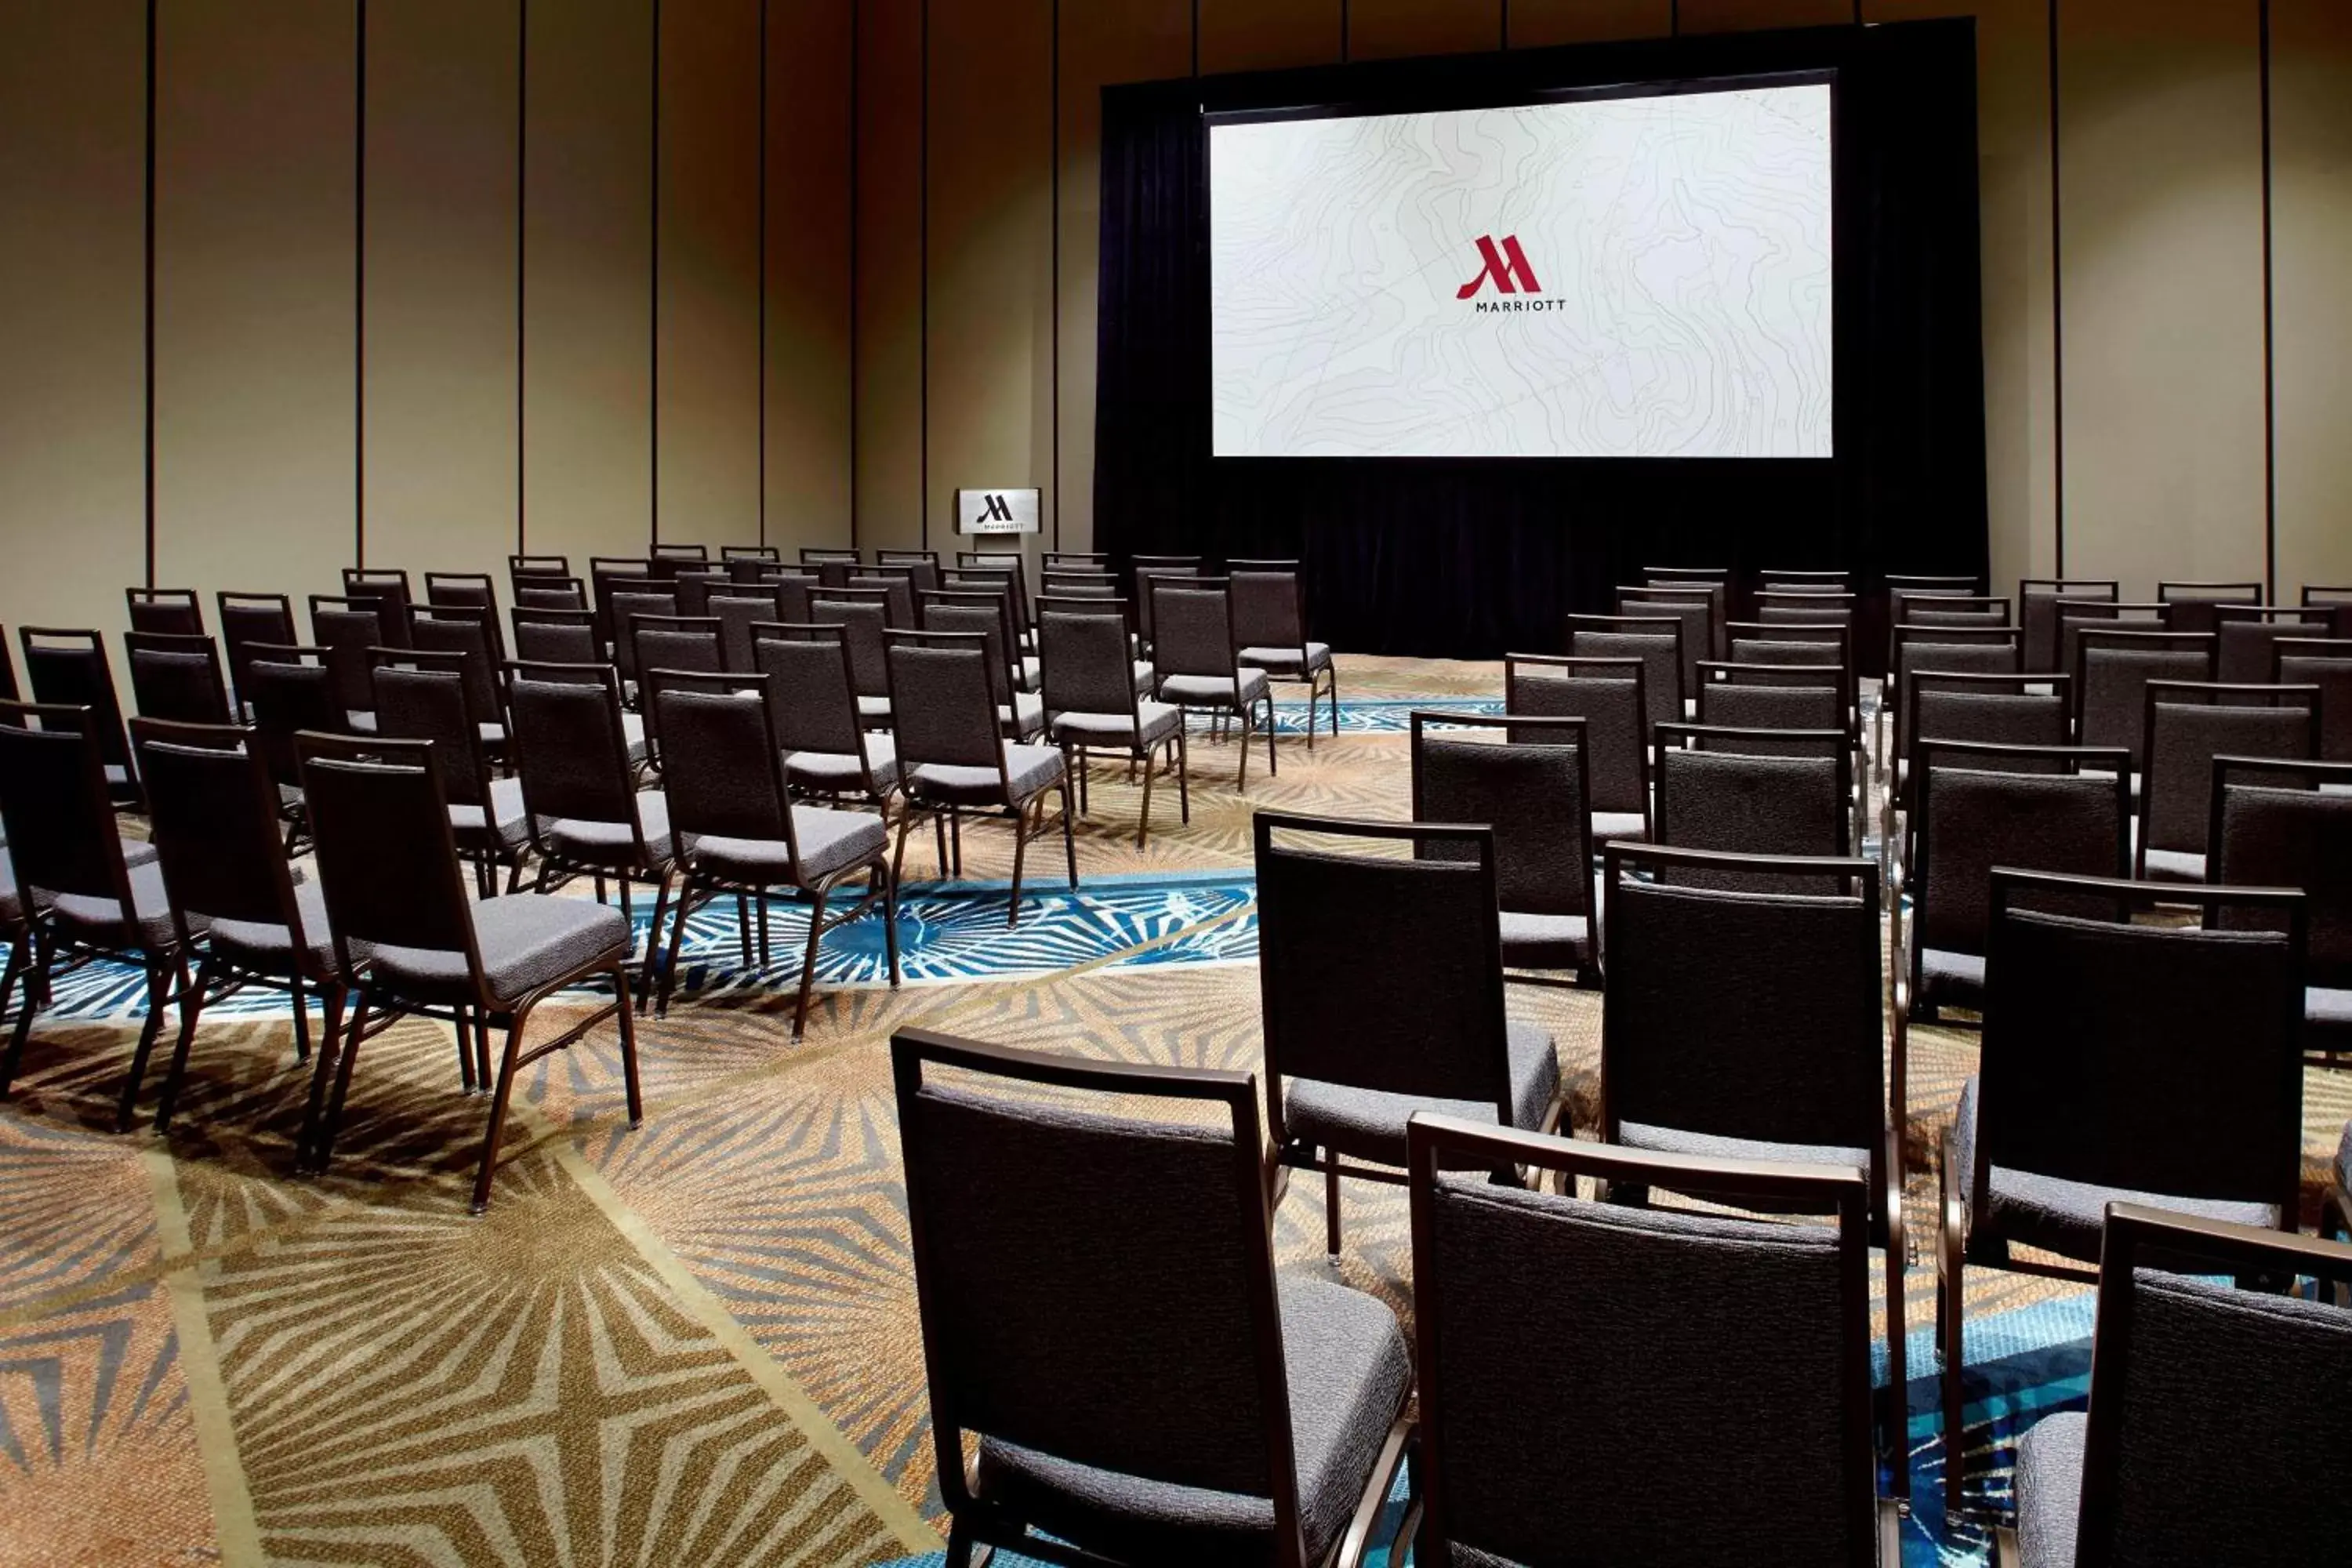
x=1146, y=573
x=664, y=645
x=550, y=593
x=176, y=676
x=694, y=588
x=1155, y=1391
x=1146, y=677
x=1381, y=986
x=737, y=610
x=2038, y=609
x=739, y=834
x=2076, y=616
x=2337, y=602
x=538, y=566
x=953, y=758
x=1678, y=576
x=1565, y=1347
x=1532, y=790
x=1089, y=693
x=2326, y=663
x=2205, y=1402
x=78, y=893
x=2111, y=670
x=1771, y=697
x=1197, y=658
x=1700, y=610
x=469, y=636
x=1728, y=979
x=165, y=612
x=464, y=591
x=1785, y=607
x=1828, y=643
x=2121, y=1062
x=1655, y=640
x=862, y=628
x=1269, y=611
x=351, y=630
x=896, y=585
x=388, y=591
x=750, y=559
x=69, y=669
x=828, y=753
x=1742, y=792
x=923, y=564
x=409, y=943
x=830, y=567
x=1021, y=714
x=668, y=560
x=1078, y=560
x=627, y=602
x=1006, y=564
x=1945, y=650
x=2193, y=604
x=991, y=591
x=1940, y=609
x=2248, y=633
x=423, y=695
x=2189, y=725
x=247, y=619
x=556, y=637
x=2021, y=709
x=292, y=692
x=609, y=574
x=2289, y=825
x=1930, y=584
x=1607, y=694
x=233, y=900
x=1777, y=581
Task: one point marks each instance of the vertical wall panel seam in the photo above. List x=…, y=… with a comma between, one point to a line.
x=2269, y=367
x=2057, y=311
x=761, y=286
x=522, y=240
x=1054, y=73
x=923, y=283
x=150, y=285
x=652, y=376
x=1196, y=38
x=1506, y=24
x=857, y=292
x=359, y=289
x=1343, y=32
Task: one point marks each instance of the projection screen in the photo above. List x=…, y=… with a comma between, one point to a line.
x=1618, y=277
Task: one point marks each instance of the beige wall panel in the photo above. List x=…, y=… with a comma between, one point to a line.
x=889, y=276
x=1382, y=29
x=2014, y=192
x=587, y=232
x=808, y=273
x=255, y=344
x=1266, y=35
x=1747, y=15
x=72, y=425
x=710, y=272
x=2311, y=174
x=1536, y=23
x=2160, y=142
x=442, y=121
x=991, y=248
x=1113, y=41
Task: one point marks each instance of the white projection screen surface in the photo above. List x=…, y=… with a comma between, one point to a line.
x=1623, y=276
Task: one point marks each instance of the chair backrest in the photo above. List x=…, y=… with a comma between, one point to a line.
x=1146, y=575
x=863, y=626
x=695, y=585
x=1954, y=650
x=1774, y=580
x=2193, y=604
x=350, y=629
x=519, y=567
x=609, y=575
x=2111, y=670
x=2250, y=632
x=2076, y=616
x=1929, y=585
x=990, y=592
x=1673, y=576
x=1077, y=586
x=671, y=643
x=1646, y=1318
x=1007, y=562
x=924, y=563
x=55, y=804
x=470, y=633
x=985, y=622
x=1772, y=697
x=213, y=809
x=176, y=677
x=942, y=705
x=1741, y=996
x=249, y=619
x=1655, y=640
x=2189, y=725
x=1977, y=805
x=292, y=692
x=2337, y=602
x=556, y=637
x=1808, y=609
x=2038, y=608
x=668, y=560
x=896, y=587
x=388, y=591
x=2005, y=709
x=813, y=696
x=1084, y=663
x=387, y=858
x=1144, y=1339
x=1527, y=781
x=1376, y=972
x=723, y=772
x=1947, y=610
x=1192, y=628
x=2205, y=1398
x=550, y=593
x=2149, y=1059
x=168, y=612
x=463, y=591
x=1082, y=559
x=2326, y=663
x=737, y=610
x=1716, y=791
x=569, y=748
x=2276, y=825
x=421, y=695
x=67, y=668
x=628, y=605
x=1607, y=694
x=1269, y=609
x=1700, y=609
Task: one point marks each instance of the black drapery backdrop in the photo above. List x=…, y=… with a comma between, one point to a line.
x=1468, y=558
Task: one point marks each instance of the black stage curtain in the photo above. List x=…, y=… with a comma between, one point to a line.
x=1470, y=558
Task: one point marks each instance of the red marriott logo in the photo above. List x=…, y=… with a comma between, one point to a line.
x=1506, y=266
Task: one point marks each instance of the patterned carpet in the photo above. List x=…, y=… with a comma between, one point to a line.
x=693, y=1343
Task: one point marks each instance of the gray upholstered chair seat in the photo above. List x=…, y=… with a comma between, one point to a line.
x=1209, y=690
x=2049, y=1488
x=1159, y=721
x=2175, y=866
x=1345, y=1357
x=837, y=773
x=1949, y=978
x=268, y=948
x=1286, y=660
x=99, y=921
x=633, y=730
x=611, y=843
x=526, y=942
x=1546, y=942
x=2328, y=1006
x=361, y=720
x=1026, y=711
x=830, y=841
x=874, y=709
x=1030, y=769
x=1608, y=825
x=2064, y=1216
x=1144, y=675
x=1675, y=1140
x=136, y=852
x=1370, y=1124
x=505, y=819
x=492, y=735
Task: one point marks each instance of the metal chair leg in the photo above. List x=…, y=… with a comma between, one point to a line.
x=158, y=995
x=808, y=963
x=189, y=1012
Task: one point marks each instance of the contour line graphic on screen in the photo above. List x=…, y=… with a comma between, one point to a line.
x=1623, y=276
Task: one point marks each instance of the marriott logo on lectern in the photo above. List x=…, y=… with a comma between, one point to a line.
x=1507, y=268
